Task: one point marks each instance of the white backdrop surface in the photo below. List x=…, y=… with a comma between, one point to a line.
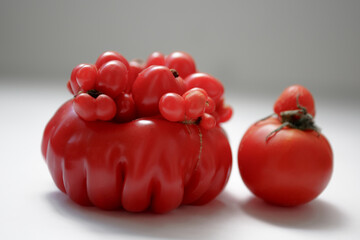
x=32, y=207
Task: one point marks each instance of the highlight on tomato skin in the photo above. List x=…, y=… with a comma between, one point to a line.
x=286, y=160
x=119, y=143
x=74, y=86
x=172, y=107
x=110, y=56
x=112, y=78
x=182, y=62
x=195, y=104
x=156, y=58
x=91, y=109
x=145, y=83
x=150, y=85
x=210, y=84
x=137, y=165
x=86, y=77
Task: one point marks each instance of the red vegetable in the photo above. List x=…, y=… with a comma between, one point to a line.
x=287, y=100
x=150, y=85
x=156, y=58
x=125, y=141
x=146, y=163
x=125, y=108
x=285, y=160
x=112, y=78
x=195, y=103
x=136, y=66
x=86, y=77
x=182, y=62
x=73, y=86
x=211, y=85
x=91, y=109
x=110, y=56
x=172, y=107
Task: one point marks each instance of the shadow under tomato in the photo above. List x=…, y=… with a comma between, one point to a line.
x=185, y=222
x=315, y=215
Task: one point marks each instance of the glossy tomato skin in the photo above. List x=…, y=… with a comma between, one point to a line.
x=150, y=85
x=135, y=67
x=156, y=58
x=211, y=85
x=290, y=168
x=182, y=62
x=287, y=100
x=148, y=163
x=110, y=56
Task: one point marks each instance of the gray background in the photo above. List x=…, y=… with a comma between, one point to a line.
x=256, y=47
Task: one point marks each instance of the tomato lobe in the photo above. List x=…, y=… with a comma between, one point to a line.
x=150, y=85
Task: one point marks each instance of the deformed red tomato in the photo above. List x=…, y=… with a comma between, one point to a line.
x=130, y=138
x=148, y=163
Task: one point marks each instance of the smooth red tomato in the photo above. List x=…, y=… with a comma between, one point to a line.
x=289, y=168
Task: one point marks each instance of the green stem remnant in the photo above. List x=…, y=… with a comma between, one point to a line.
x=298, y=119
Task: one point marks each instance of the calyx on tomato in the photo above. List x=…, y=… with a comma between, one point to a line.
x=284, y=159
x=135, y=137
x=298, y=119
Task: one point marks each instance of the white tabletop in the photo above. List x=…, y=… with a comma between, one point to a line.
x=32, y=207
